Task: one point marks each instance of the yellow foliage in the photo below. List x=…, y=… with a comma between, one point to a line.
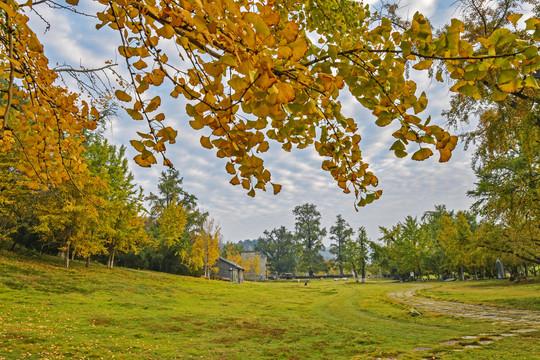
x=205, y=249
x=253, y=67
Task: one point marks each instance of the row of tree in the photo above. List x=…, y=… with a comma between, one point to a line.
x=100, y=213
x=301, y=250
x=442, y=244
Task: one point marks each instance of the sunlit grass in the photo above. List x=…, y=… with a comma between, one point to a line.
x=50, y=312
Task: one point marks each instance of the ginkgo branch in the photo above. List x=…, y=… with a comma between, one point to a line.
x=83, y=70
x=424, y=56
x=11, y=75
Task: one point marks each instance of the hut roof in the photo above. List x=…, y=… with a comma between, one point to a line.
x=232, y=263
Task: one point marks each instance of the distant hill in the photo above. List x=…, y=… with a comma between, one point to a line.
x=326, y=254
x=248, y=244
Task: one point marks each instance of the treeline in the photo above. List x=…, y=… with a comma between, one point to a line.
x=444, y=244
x=300, y=251
x=100, y=215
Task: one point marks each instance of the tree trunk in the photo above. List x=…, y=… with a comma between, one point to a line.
x=340, y=270
x=72, y=255
x=310, y=273
x=88, y=261
x=475, y=273
x=66, y=256
x=110, y=263
x=355, y=273
x=363, y=271
x=15, y=241
x=461, y=275
x=526, y=270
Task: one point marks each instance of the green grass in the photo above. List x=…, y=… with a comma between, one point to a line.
x=490, y=292
x=48, y=312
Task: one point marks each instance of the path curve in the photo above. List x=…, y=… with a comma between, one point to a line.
x=482, y=312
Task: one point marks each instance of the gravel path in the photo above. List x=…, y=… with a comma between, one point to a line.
x=523, y=318
x=524, y=321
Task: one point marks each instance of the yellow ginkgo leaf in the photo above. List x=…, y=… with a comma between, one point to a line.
x=422, y=154
x=122, y=96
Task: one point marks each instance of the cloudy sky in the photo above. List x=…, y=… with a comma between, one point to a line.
x=409, y=187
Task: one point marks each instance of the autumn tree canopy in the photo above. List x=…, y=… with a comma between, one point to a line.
x=255, y=72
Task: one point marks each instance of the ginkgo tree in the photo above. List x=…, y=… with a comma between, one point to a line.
x=261, y=71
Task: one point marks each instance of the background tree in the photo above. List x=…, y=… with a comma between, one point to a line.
x=17, y=203
x=173, y=245
x=356, y=253
x=458, y=238
x=341, y=233
x=309, y=235
x=121, y=225
x=280, y=248
x=404, y=249
x=206, y=247
x=436, y=260
x=68, y=216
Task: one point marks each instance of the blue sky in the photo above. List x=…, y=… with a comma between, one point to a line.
x=409, y=187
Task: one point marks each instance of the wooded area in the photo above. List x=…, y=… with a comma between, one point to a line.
x=254, y=72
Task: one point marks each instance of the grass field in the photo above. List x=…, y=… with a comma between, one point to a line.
x=48, y=312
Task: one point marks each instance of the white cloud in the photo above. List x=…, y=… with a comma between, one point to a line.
x=410, y=188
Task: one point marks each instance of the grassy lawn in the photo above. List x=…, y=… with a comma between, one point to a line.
x=48, y=312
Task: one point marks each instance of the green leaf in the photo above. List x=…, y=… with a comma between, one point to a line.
x=531, y=82
x=531, y=23
x=398, y=145
x=469, y=90
x=384, y=118
x=499, y=95
x=400, y=153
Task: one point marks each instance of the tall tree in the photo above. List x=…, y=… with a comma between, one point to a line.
x=507, y=155
x=68, y=216
x=309, y=235
x=280, y=248
x=173, y=244
x=457, y=238
x=254, y=72
x=170, y=191
x=356, y=253
x=436, y=259
x=205, y=250
x=341, y=233
x=121, y=224
x=404, y=249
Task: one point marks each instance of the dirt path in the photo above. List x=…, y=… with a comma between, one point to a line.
x=523, y=318
x=525, y=321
